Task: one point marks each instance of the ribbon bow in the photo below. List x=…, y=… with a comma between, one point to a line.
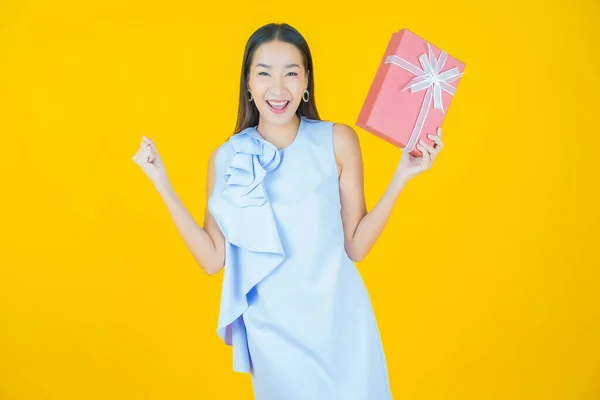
x=429, y=78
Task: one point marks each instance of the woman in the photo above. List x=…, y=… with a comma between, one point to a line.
x=286, y=216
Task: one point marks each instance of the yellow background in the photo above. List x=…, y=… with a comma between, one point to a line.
x=484, y=282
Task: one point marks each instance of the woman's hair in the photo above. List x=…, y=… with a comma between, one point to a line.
x=248, y=114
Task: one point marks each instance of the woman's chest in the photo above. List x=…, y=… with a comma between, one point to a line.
x=309, y=177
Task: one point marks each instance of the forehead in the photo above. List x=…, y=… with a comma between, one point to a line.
x=277, y=53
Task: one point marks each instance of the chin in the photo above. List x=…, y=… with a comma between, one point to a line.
x=278, y=119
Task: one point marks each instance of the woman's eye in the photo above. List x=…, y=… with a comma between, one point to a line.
x=265, y=74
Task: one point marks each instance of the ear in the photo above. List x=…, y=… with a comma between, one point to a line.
x=306, y=80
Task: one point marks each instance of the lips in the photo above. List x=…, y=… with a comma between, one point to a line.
x=278, y=108
x=278, y=104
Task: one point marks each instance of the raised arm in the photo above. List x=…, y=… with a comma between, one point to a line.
x=206, y=245
x=361, y=228
x=210, y=224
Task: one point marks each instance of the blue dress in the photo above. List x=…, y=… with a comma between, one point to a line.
x=293, y=304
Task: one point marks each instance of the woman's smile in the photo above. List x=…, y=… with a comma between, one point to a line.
x=277, y=107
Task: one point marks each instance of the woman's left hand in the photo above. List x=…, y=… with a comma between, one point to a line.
x=410, y=166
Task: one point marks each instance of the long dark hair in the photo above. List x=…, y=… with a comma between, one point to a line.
x=248, y=114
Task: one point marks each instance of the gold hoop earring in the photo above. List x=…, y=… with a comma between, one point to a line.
x=308, y=96
x=250, y=99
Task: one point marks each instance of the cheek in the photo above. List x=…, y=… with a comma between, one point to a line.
x=296, y=87
x=259, y=92
x=259, y=86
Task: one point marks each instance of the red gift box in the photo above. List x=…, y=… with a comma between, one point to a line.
x=411, y=92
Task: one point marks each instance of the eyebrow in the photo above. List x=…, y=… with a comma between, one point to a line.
x=268, y=66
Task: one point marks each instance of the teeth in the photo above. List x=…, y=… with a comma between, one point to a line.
x=277, y=104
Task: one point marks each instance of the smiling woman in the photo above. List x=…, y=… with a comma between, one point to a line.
x=286, y=219
x=276, y=82
x=293, y=304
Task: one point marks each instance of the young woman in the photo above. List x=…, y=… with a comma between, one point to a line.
x=286, y=217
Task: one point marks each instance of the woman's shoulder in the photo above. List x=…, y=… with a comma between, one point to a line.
x=345, y=142
x=216, y=152
x=220, y=154
x=344, y=134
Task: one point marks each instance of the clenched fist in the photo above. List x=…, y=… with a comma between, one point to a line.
x=149, y=160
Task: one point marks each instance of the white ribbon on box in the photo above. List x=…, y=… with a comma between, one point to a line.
x=427, y=78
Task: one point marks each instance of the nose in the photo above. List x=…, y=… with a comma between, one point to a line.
x=278, y=85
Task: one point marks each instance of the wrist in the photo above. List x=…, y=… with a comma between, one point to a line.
x=163, y=186
x=400, y=180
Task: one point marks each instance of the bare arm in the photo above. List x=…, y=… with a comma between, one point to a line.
x=207, y=244
x=361, y=228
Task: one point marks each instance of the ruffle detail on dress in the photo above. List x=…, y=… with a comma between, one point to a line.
x=252, y=160
x=253, y=245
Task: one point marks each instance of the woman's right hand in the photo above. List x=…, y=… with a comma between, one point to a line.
x=150, y=162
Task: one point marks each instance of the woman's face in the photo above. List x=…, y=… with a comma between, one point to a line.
x=277, y=76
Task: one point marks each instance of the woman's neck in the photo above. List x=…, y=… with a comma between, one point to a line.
x=279, y=135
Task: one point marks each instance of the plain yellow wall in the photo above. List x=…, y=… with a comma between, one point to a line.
x=484, y=282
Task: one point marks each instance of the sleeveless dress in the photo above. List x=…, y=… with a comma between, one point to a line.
x=293, y=305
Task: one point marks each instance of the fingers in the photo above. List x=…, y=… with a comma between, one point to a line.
x=151, y=155
x=426, y=158
x=438, y=141
x=437, y=147
x=438, y=144
x=145, y=153
x=148, y=141
x=427, y=146
x=142, y=154
x=148, y=144
x=428, y=151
